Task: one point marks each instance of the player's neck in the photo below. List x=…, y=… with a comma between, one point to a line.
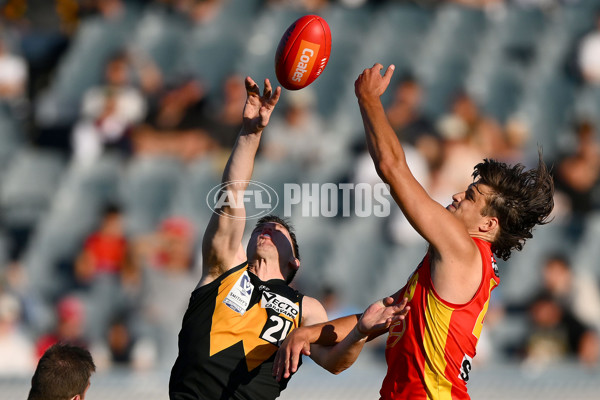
x=265, y=269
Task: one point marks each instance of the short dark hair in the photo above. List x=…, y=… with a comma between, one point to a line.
x=286, y=224
x=520, y=200
x=63, y=372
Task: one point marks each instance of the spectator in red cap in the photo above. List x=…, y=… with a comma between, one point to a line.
x=70, y=325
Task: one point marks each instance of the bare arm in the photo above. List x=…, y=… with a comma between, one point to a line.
x=457, y=253
x=335, y=345
x=222, y=243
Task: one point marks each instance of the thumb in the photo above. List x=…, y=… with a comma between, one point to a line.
x=388, y=74
x=306, y=349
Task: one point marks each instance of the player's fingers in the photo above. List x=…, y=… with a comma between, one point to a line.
x=389, y=72
x=275, y=370
x=251, y=86
x=268, y=90
x=275, y=98
x=388, y=301
x=294, y=363
x=377, y=67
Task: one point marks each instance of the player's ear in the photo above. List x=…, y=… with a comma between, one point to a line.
x=294, y=263
x=77, y=397
x=489, y=224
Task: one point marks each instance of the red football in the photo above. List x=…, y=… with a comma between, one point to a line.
x=303, y=52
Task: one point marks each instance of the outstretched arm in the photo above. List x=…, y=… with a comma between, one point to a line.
x=457, y=253
x=335, y=345
x=222, y=243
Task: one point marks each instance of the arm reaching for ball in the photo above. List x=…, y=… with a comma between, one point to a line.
x=335, y=345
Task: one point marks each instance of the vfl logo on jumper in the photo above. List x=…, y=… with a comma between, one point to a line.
x=257, y=199
x=239, y=296
x=465, y=368
x=279, y=304
x=305, y=60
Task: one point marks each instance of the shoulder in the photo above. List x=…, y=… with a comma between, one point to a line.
x=211, y=278
x=313, y=311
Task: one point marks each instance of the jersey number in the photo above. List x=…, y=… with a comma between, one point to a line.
x=277, y=330
x=479, y=323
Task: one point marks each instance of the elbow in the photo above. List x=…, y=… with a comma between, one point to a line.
x=385, y=169
x=337, y=370
x=338, y=367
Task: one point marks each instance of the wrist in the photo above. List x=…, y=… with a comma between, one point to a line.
x=369, y=101
x=358, y=335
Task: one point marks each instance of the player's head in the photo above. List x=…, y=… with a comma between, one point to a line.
x=63, y=373
x=274, y=238
x=520, y=199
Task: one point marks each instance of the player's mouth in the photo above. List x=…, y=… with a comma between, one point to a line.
x=451, y=207
x=265, y=236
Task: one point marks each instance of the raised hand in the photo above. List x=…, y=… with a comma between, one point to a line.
x=381, y=314
x=258, y=109
x=370, y=84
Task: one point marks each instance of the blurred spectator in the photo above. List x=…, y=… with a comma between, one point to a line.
x=108, y=113
x=168, y=258
x=121, y=347
x=577, y=175
x=16, y=350
x=589, y=55
x=109, y=9
x=556, y=334
x=411, y=125
x=13, y=74
x=177, y=124
x=306, y=5
x=201, y=12
x=577, y=292
x=297, y=136
x=13, y=81
x=225, y=119
x=460, y=130
x=105, y=251
x=517, y=135
x=70, y=326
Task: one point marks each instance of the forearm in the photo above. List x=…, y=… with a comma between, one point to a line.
x=382, y=142
x=340, y=357
x=331, y=332
x=241, y=161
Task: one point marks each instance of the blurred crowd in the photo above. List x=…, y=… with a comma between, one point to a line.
x=126, y=293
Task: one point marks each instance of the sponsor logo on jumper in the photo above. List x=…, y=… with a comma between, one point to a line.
x=279, y=304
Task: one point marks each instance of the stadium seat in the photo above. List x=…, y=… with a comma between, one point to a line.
x=148, y=187
x=28, y=186
x=160, y=35
x=10, y=139
x=400, y=262
x=357, y=255
x=447, y=53
x=212, y=48
x=83, y=65
x=190, y=198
